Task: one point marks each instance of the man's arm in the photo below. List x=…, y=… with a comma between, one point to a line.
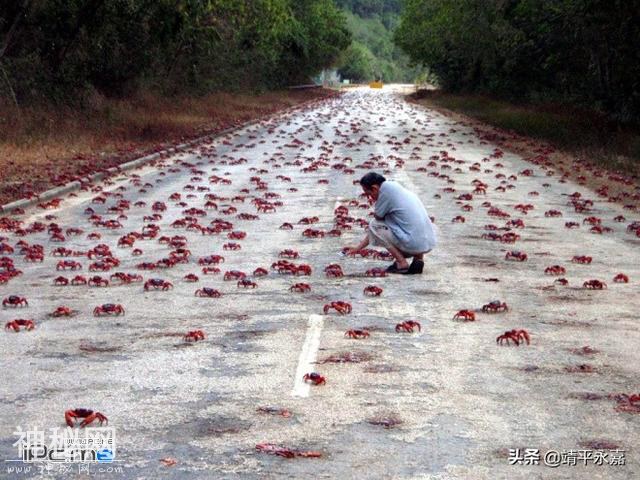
x=350, y=250
x=382, y=206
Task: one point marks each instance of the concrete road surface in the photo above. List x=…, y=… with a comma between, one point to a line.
x=444, y=402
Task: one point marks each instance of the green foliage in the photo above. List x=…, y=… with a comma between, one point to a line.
x=358, y=63
x=370, y=8
x=371, y=24
x=59, y=48
x=581, y=51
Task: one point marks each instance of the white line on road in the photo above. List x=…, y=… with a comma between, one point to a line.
x=306, y=362
x=308, y=355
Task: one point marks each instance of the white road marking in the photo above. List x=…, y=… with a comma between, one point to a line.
x=306, y=362
x=308, y=355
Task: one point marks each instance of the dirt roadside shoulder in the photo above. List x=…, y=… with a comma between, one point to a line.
x=42, y=148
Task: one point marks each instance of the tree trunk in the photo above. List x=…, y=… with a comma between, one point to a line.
x=14, y=28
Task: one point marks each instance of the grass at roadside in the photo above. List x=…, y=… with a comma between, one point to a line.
x=585, y=134
x=47, y=145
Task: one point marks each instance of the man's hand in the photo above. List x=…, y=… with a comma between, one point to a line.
x=350, y=250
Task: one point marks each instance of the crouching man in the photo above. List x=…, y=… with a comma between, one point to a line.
x=401, y=224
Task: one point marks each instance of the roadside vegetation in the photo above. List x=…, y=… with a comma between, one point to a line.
x=588, y=135
x=561, y=71
x=86, y=84
x=373, y=53
x=47, y=145
x=579, y=52
x=64, y=50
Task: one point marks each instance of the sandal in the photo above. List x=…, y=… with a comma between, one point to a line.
x=394, y=269
x=416, y=267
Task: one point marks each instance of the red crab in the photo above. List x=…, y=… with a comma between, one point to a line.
x=208, y=292
x=126, y=278
x=194, y=336
x=126, y=241
x=621, y=278
x=78, y=280
x=265, y=208
x=236, y=235
x=314, y=378
x=60, y=252
x=210, y=270
x=553, y=213
x=594, y=285
x=627, y=403
x=300, y=287
x=372, y=291
x=89, y=417
x=516, y=223
x=260, y=272
x=108, y=309
x=231, y=246
x=303, y=269
x=375, y=272
x=312, y=233
x=555, y=270
x=340, y=307
x=357, y=334
x=583, y=259
x=286, y=226
x=68, y=264
x=15, y=301
x=16, y=324
x=34, y=257
x=524, y=208
x=334, y=271
x=191, y=277
x=509, y=237
x=288, y=253
x=63, y=311
x=458, y=219
x=98, y=281
x=273, y=449
x=283, y=412
x=495, y=307
x=234, y=275
x=157, y=284
x=246, y=283
x=516, y=256
x=211, y=260
x=408, y=326
x=465, y=315
x=147, y=266
x=61, y=281
x=517, y=336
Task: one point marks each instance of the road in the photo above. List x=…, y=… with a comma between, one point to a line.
x=445, y=402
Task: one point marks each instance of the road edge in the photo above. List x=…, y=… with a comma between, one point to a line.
x=25, y=203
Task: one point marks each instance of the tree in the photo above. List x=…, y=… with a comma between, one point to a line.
x=580, y=51
x=358, y=63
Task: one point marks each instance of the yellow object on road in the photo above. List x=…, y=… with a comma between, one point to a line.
x=375, y=84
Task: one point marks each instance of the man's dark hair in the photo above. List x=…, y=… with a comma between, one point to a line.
x=371, y=179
